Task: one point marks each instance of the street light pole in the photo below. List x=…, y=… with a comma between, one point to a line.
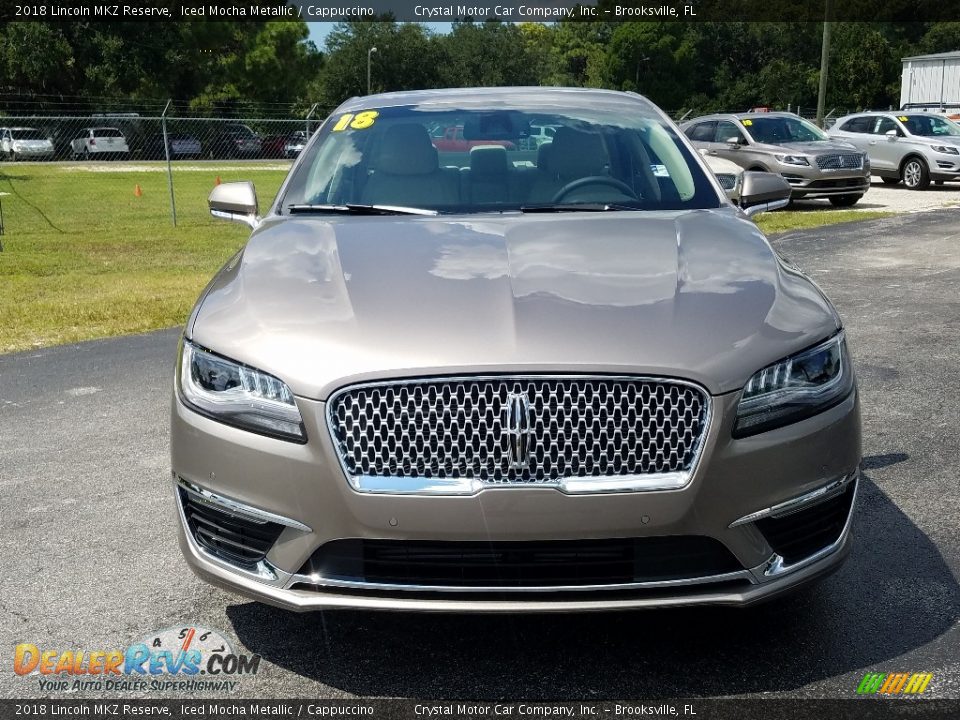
x=370, y=52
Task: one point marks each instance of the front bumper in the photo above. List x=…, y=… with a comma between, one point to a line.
x=737, y=487
x=810, y=183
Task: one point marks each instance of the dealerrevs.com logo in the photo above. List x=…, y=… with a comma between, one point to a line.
x=894, y=683
x=187, y=658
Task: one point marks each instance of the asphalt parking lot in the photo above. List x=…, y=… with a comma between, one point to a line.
x=91, y=559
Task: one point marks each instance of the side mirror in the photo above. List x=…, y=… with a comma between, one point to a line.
x=733, y=142
x=235, y=201
x=891, y=134
x=763, y=192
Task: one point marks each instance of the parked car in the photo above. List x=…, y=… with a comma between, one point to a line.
x=295, y=144
x=728, y=174
x=491, y=386
x=234, y=140
x=272, y=145
x=25, y=143
x=452, y=139
x=99, y=143
x=539, y=135
x=784, y=143
x=909, y=147
x=182, y=147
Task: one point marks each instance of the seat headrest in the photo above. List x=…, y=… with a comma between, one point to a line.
x=407, y=150
x=488, y=160
x=577, y=154
x=543, y=157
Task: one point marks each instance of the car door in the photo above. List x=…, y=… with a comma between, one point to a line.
x=885, y=151
x=721, y=146
x=858, y=131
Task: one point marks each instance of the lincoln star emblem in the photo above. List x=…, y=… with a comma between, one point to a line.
x=518, y=430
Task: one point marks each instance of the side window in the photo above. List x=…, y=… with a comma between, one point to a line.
x=702, y=132
x=862, y=124
x=727, y=130
x=885, y=125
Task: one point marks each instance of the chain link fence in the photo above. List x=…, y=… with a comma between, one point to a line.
x=134, y=138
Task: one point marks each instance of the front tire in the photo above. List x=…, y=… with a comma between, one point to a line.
x=845, y=200
x=915, y=174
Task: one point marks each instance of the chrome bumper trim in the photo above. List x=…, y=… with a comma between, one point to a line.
x=245, y=511
x=797, y=504
x=748, y=575
x=776, y=566
x=263, y=572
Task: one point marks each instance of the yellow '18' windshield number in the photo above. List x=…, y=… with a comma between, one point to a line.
x=360, y=121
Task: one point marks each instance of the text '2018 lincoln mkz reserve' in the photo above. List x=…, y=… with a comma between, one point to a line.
x=506, y=376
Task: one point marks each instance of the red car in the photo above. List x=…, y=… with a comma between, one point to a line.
x=451, y=140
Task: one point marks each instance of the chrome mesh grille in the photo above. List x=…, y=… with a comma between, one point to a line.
x=467, y=428
x=840, y=161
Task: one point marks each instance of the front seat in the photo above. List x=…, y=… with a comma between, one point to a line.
x=407, y=172
x=572, y=155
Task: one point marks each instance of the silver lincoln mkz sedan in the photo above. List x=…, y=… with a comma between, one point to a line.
x=512, y=376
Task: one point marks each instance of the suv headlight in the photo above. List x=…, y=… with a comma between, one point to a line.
x=237, y=395
x=792, y=159
x=795, y=388
x=946, y=149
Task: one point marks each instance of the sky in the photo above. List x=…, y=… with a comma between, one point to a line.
x=319, y=31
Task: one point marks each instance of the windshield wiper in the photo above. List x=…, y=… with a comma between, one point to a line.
x=356, y=209
x=576, y=207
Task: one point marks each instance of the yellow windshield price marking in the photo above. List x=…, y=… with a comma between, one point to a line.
x=360, y=121
x=748, y=122
x=903, y=118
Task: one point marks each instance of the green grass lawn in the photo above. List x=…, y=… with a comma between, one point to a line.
x=85, y=258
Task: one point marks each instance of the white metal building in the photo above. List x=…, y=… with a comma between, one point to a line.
x=931, y=81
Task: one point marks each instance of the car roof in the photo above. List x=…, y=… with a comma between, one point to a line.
x=505, y=97
x=743, y=116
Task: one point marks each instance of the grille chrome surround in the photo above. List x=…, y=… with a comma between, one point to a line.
x=840, y=161
x=455, y=435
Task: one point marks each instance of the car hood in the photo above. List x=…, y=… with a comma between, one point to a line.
x=812, y=148
x=321, y=302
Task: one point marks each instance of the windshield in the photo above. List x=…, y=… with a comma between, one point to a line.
x=929, y=126
x=482, y=160
x=27, y=134
x=779, y=130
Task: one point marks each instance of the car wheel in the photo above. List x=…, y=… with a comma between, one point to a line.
x=13, y=156
x=845, y=200
x=915, y=174
x=891, y=181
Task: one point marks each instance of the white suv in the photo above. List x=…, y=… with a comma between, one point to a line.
x=912, y=147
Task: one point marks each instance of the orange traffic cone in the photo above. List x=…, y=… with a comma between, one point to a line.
x=218, y=180
x=137, y=192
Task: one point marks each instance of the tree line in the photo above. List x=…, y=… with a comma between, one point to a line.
x=223, y=67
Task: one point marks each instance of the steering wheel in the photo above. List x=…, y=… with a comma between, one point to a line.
x=594, y=180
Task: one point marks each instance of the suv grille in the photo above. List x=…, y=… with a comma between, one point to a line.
x=840, y=161
x=518, y=429
x=521, y=563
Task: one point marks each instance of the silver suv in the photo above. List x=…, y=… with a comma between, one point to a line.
x=815, y=165
x=905, y=146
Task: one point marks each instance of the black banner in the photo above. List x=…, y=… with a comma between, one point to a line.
x=695, y=709
x=501, y=10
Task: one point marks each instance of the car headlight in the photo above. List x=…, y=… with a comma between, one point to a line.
x=795, y=388
x=946, y=149
x=238, y=395
x=792, y=159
